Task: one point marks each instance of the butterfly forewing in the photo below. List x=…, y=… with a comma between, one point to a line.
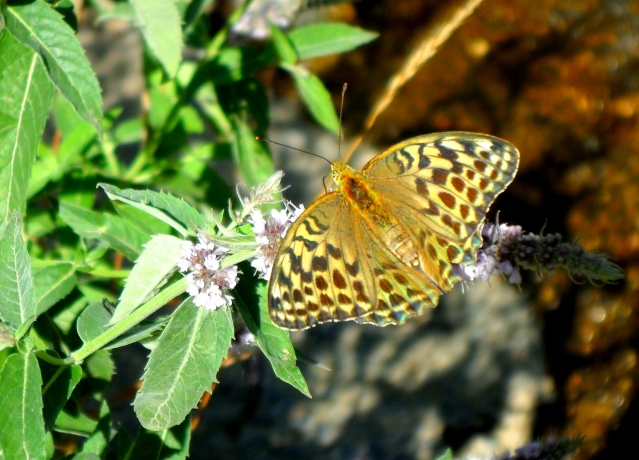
x=317, y=275
x=335, y=269
x=337, y=261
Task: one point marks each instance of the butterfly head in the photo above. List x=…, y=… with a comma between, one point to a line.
x=338, y=171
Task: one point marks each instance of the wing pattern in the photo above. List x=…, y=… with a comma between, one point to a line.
x=333, y=264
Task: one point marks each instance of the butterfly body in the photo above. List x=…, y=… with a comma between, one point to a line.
x=382, y=247
x=368, y=206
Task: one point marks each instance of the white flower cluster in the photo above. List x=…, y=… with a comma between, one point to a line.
x=208, y=284
x=269, y=233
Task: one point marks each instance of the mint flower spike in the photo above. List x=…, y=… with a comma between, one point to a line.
x=506, y=249
x=550, y=448
x=261, y=194
x=208, y=283
x=269, y=233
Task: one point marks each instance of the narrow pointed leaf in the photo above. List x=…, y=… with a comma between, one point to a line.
x=26, y=95
x=113, y=230
x=22, y=429
x=161, y=27
x=40, y=27
x=254, y=160
x=174, y=211
x=53, y=283
x=183, y=365
x=324, y=39
x=58, y=384
x=316, y=97
x=159, y=258
x=17, y=294
x=273, y=341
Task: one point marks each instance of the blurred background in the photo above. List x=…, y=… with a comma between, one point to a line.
x=495, y=366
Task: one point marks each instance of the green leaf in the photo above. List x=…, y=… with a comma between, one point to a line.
x=273, y=341
x=98, y=441
x=284, y=48
x=65, y=319
x=17, y=294
x=448, y=455
x=324, y=39
x=50, y=167
x=251, y=155
x=129, y=131
x=41, y=28
x=58, y=386
x=53, y=283
x=234, y=64
x=113, y=230
x=100, y=365
x=174, y=211
x=160, y=23
x=79, y=424
x=22, y=429
x=137, y=334
x=26, y=94
x=7, y=337
x=159, y=258
x=145, y=222
x=170, y=444
x=183, y=365
x=93, y=321
x=316, y=97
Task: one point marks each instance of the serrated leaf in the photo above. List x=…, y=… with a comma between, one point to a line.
x=99, y=439
x=49, y=167
x=100, y=365
x=145, y=222
x=324, y=39
x=113, y=230
x=136, y=334
x=41, y=28
x=315, y=96
x=93, y=321
x=22, y=432
x=273, y=341
x=284, y=48
x=52, y=284
x=59, y=384
x=183, y=365
x=251, y=155
x=79, y=424
x=160, y=23
x=26, y=95
x=159, y=258
x=170, y=444
x=17, y=294
x=234, y=64
x=169, y=209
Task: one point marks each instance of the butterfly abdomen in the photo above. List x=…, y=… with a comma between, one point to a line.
x=369, y=207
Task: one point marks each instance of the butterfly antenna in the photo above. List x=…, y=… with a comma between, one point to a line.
x=259, y=138
x=339, y=136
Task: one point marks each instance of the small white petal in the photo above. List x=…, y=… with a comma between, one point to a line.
x=280, y=217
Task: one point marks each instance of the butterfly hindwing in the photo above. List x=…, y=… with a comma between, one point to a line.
x=444, y=183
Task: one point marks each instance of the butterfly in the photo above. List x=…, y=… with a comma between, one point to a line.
x=381, y=247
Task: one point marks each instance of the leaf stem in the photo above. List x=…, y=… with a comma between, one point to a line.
x=129, y=321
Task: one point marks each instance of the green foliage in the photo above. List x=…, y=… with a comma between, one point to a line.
x=82, y=225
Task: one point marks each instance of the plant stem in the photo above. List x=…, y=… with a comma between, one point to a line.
x=129, y=321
